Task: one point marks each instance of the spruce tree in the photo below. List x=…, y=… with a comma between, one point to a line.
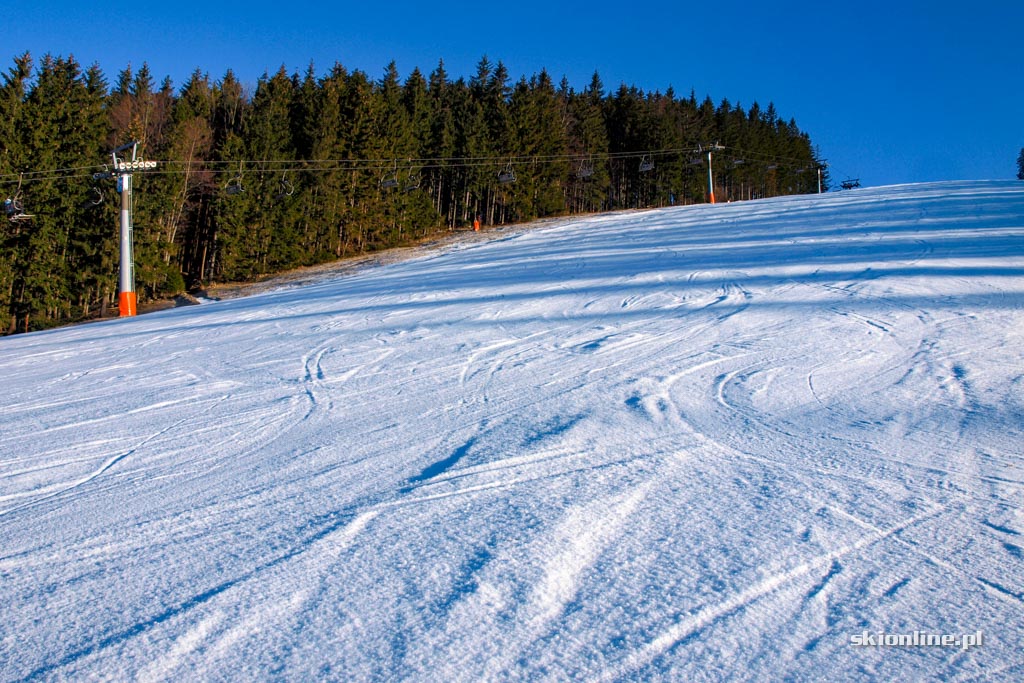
x=12, y=158
x=441, y=144
x=93, y=240
x=481, y=124
x=304, y=182
x=271, y=241
x=538, y=113
x=362, y=189
x=396, y=143
x=417, y=210
x=589, y=141
x=193, y=188
x=329, y=143
x=52, y=141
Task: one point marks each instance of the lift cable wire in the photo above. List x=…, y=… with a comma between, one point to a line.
x=234, y=167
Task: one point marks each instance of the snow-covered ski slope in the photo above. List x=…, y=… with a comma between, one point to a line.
x=696, y=443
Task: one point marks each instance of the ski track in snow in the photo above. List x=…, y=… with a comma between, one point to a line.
x=696, y=443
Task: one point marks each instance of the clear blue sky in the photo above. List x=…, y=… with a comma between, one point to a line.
x=891, y=92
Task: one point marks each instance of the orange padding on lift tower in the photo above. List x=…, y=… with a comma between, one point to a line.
x=126, y=303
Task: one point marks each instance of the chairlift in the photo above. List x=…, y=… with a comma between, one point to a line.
x=14, y=209
x=234, y=185
x=586, y=169
x=94, y=199
x=285, y=188
x=391, y=180
x=850, y=183
x=646, y=164
x=412, y=183
x=507, y=175
x=772, y=167
x=737, y=162
x=696, y=160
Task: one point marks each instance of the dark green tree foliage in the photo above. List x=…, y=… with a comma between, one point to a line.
x=12, y=149
x=538, y=113
x=54, y=255
x=192, y=192
x=92, y=244
x=440, y=143
x=306, y=169
x=588, y=142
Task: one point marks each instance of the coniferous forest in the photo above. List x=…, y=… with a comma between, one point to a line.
x=304, y=168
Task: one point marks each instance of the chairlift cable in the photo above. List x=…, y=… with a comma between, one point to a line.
x=171, y=167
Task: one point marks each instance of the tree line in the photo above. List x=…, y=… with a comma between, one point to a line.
x=302, y=169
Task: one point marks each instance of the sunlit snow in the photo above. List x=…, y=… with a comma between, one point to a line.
x=694, y=443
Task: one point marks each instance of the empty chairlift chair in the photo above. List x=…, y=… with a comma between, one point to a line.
x=390, y=180
x=234, y=185
x=94, y=199
x=412, y=183
x=586, y=169
x=285, y=188
x=507, y=175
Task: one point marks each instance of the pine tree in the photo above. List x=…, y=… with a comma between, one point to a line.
x=588, y=139
x=52, y=141
x=193, y=191
x=229, y=107
x=93, y=241
x=225, y=258
x=441, y=144
x=396, y=142
x=417, y=210
x=539, y=116
x=329, y=143
x=259, y=225
x=12, y=156
x=481, y=117
x=362, y=188
x=304, y=183
x=626, y=118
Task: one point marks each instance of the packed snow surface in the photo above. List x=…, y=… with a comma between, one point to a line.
x=695, y=443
